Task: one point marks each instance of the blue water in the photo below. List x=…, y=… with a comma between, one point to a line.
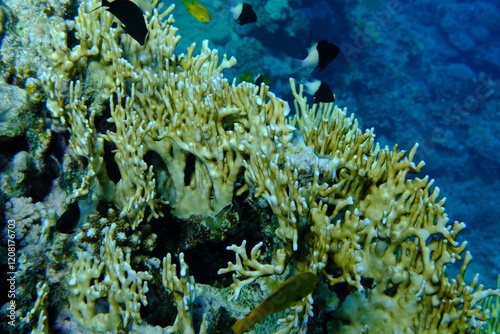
x=416, y=71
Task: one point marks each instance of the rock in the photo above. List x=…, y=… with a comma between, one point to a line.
x=13, y=106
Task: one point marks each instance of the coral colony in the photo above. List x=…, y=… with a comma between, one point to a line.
x=166, y=154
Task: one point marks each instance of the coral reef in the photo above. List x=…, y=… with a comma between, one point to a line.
x=158, y=139
x=276, y=15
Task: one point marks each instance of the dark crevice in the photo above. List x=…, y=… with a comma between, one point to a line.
x=71, y=10
x=41, y=184
x=11, y=146
x=110, y=162
x=189, y=169
x=101, y=122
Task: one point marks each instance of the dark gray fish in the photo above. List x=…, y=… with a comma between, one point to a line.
x=259, y=80
x=130, y=15
x=76, y=215
x=69, y=220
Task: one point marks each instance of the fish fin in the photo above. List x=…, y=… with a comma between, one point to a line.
x=298, y=67
x=187, y=3
x=87, y=207
x=96, y=9
x=240, y=326
x=104, y=3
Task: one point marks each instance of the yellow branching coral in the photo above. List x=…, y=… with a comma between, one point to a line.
x=251, y=267
x=182, y=288
x=345, y=209
x=363, y=222
x=177, y=113
x=39, y=310
x=111, y=278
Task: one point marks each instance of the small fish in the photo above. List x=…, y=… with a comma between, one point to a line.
x=75, y=215
x=198, y=11
x=130, y=15
x=255, y=78
x=243, y=13
x=285, y=296
x=318, y=56
x=260, y=79
x=69, y=219
x=320, y=91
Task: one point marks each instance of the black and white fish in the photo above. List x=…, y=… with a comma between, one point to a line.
x=318, y=56
x=243, y=13
x=320, y=91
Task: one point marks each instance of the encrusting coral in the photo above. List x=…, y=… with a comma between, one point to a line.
x=24, y=212
x=183, y=136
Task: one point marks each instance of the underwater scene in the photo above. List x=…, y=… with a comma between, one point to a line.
x=281, y=166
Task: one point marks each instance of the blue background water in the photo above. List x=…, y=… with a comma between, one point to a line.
x=416, y=71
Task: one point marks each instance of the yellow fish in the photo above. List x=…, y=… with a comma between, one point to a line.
x=198, y=11
x=285, y=296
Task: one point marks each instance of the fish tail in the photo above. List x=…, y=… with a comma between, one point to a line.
x=95, y=9
x=296, y=65
x=241, y=326
x=300, y=73
x=249, y=321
